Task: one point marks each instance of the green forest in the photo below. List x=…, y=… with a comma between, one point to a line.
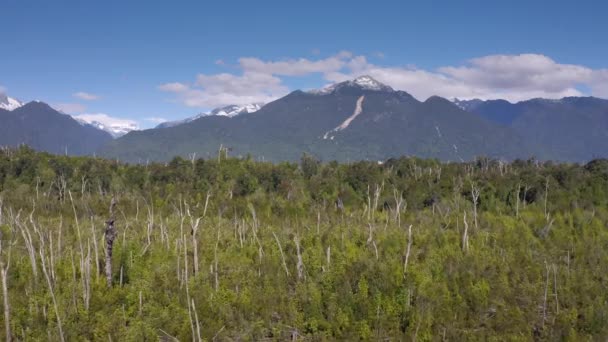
x=234, y=249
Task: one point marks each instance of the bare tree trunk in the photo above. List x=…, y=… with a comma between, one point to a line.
x=51, y=290
x=545, y=297
x=216, y=260
x=409, y=248
x=194, y=230
x=328, y=257
x=465, y=235
x=198, y=326
x=517, y=203
x=7, y=308
x=110, y=236
x=186, y=282
x=546, y=195
x=398, y=205
x=300, y=265
x=95, y=247
x=475, y=195
x=282, y=255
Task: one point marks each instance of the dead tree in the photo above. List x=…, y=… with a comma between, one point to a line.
x=517, y=199
x=282, y=255
x=4, y=274
x=300, y=265
x=475, y=195
x=409, y=249
x=465, y=234
x=110, y=236
x=398, y=205
x=546, y=195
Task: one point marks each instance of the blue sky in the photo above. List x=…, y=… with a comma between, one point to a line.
x=158, y=59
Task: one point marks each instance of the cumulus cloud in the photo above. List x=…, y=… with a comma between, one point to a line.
x=296, y=67
x=210, y=91
x=511, y=77
x=599, y=83
x=70, y=108
x=175, y=87
x=85, y=96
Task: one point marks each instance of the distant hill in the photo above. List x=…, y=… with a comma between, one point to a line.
x=572, y=128
x=357, y=119
x=43, y=128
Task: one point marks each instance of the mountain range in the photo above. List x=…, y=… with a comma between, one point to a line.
x=360, y=119
x=43, y=128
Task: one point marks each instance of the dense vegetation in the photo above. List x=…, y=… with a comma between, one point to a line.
x=231, y=249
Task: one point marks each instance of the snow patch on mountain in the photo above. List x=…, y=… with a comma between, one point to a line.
x=115, y=126
x=363, y=82
x=227, y=111
x=9, y=103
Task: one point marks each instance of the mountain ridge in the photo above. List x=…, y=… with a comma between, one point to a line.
x=43, y=128
x=390, y=123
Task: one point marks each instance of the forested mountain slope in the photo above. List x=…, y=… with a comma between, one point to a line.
x=353, y=120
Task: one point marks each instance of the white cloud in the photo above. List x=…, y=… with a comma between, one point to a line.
x=86, y=96
x=173, y=87
x=211, y=91
x=511, y=77
x=156, y=120
x=599, y=83
x=70, y=108
x=296, y=67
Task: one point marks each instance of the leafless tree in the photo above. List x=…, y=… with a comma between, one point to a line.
x=475, y=196
x=465, y=234
x=409, y=249
x=4, y=267
x=300, y=265
x=282, y=255
x=110, y=236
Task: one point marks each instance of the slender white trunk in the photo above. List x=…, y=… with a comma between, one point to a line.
x=465, y=234
x=409, y=248
x=282, y=255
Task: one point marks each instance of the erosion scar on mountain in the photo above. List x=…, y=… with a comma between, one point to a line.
x=346, y=123
x=358, y=110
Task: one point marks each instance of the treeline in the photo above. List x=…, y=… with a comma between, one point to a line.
x=227, y=248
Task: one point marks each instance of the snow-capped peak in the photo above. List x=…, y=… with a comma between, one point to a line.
x=116, y=127
x=364, y=82
x=228, y=111
x=235, y=110
x=9, y=103
x=367, y=82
